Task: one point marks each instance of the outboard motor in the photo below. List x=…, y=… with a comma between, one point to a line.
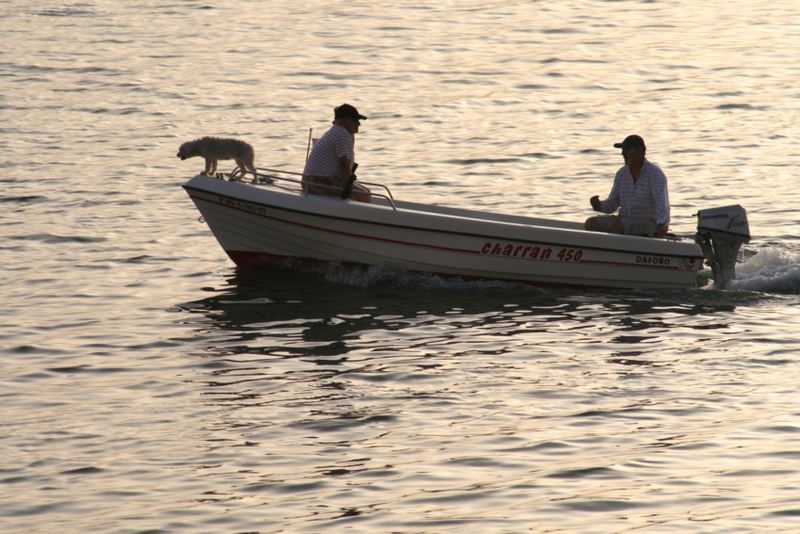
x=720, y=233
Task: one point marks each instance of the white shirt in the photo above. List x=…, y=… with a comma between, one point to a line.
x=324, y=157
x=646, y=199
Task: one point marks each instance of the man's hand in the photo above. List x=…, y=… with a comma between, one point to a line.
x=595, y=202
x=661, y=230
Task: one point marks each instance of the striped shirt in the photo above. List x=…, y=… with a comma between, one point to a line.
x=646, y=199
x=324, y=157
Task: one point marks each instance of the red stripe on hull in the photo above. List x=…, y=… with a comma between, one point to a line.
x=339, y=232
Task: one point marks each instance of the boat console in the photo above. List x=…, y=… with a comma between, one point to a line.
x=720, y=234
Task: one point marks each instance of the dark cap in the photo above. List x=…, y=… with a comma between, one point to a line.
x=631, y=140
x=346, y=111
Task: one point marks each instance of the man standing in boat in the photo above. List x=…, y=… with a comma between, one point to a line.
x=331, y=162
x=640, y=193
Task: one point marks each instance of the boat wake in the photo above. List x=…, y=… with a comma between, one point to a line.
x=770, y=270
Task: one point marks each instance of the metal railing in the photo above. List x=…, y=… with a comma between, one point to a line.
x=279, y=178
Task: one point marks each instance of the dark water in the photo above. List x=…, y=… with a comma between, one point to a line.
x=147, y=385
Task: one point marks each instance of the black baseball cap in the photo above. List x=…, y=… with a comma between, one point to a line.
x=631, y=140
x=347, y=111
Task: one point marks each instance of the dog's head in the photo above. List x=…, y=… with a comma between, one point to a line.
x=187, y=150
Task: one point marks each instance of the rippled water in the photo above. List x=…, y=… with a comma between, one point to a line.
x=147, y=385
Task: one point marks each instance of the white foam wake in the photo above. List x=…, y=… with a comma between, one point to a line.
x=774, y=270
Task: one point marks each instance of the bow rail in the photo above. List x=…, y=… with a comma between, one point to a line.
x=281, y=178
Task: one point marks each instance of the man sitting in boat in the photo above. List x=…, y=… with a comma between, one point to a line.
x=330, y=163
x=640, y=193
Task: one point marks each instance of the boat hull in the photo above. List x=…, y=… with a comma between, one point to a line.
x=258, y=225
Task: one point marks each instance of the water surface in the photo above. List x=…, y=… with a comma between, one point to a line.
x=147, y=385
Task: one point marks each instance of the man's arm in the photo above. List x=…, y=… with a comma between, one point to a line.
x=661, y=198
x=344, y=171
x=610, y=204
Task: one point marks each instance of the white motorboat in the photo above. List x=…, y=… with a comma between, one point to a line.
x=273, y=222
